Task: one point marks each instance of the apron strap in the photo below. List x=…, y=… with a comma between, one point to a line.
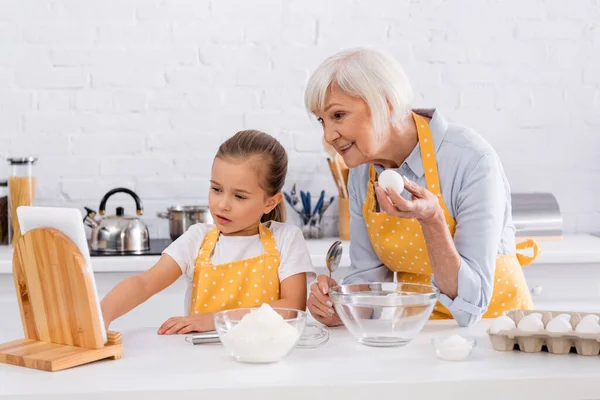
x=430, y=168
x=208, y=245
x=427, y=148
x=524, y=245
x=268, y=241
x=372, y=173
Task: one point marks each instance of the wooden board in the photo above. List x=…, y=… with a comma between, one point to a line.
x=69, y=222
x=56, y=357
x=58, y=306
x=55, y=294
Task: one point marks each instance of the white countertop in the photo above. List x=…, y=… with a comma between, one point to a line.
x=574, y=249
x=158, y=366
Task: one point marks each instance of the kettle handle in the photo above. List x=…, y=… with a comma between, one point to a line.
x=138, y=202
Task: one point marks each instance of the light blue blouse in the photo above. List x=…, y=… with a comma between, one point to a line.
x=477, y=194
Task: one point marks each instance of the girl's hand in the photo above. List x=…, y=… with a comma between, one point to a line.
x=191, y=323
x=424, y=205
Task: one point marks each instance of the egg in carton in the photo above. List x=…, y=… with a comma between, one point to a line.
x=531, y=335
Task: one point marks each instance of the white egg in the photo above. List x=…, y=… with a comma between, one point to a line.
x=564, y=316
x=591, y=318
x=588, y=324
x=559, y=324
x=502, y=323
x=390, y=179
x=531, y=323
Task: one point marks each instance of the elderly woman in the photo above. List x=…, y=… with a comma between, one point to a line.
x=451, y=226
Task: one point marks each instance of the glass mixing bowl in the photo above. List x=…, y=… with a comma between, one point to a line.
x=268, y=338
x=384, y=314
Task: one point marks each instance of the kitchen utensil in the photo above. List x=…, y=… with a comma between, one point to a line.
x=315, y=230
x=119, y=232
x=296, y=207
x=259, y=349
x=319, y=205
x=384, y=314
x=342, y=173
x=336, y=178
x=203, y=338
x=333, y=257
x=305, y=207
x=325, y=207
x=294, y=194
x=313, y=336
x=182, y=217
x=21, y=192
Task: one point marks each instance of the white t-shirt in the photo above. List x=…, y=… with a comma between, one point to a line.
x=293, y=252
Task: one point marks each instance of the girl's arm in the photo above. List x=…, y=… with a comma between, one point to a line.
x=293, y=293
x=133, y=291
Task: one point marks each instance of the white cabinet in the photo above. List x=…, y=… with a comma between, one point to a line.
x=152, y=313
x=565, y=286
x=568, y=287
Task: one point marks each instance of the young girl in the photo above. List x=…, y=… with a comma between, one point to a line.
x=247, y=258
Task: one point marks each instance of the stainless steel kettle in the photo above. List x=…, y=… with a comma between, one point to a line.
x=118, y=233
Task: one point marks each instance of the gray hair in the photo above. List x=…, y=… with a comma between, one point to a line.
x=368, y=74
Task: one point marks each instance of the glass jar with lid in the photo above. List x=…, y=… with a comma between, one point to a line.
x=21, y=192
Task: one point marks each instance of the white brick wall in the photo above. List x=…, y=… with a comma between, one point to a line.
x=141, y=93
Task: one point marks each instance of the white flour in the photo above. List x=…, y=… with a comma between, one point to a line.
x=261, y=336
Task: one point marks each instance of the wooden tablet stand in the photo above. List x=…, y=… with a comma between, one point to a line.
x=58, y=308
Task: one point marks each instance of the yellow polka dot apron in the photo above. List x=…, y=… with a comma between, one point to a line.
x=239, y=284
x=400, y=245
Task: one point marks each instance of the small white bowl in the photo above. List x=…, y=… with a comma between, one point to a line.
x=451, y=352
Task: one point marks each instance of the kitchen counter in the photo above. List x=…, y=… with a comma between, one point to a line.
x=154, y=367
x=571, y=249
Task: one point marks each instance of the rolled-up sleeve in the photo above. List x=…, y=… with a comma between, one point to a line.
x=365, y=266
x=479, y=218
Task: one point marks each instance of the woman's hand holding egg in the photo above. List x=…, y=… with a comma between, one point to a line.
x=424, y=205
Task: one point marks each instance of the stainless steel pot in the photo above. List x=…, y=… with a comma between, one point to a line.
x=182, y=217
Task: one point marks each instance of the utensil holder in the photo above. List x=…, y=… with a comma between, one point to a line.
x=58, y=307
x=344, y=218
x=312, y=231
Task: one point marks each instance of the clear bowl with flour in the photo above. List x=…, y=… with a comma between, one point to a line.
x=454, y=347
x=260, y=335
x=384, y=314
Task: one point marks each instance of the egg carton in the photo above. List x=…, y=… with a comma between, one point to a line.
x=586, y=344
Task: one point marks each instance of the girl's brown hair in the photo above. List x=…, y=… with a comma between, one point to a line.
x=272, y=163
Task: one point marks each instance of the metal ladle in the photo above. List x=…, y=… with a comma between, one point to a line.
x=333, y=258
